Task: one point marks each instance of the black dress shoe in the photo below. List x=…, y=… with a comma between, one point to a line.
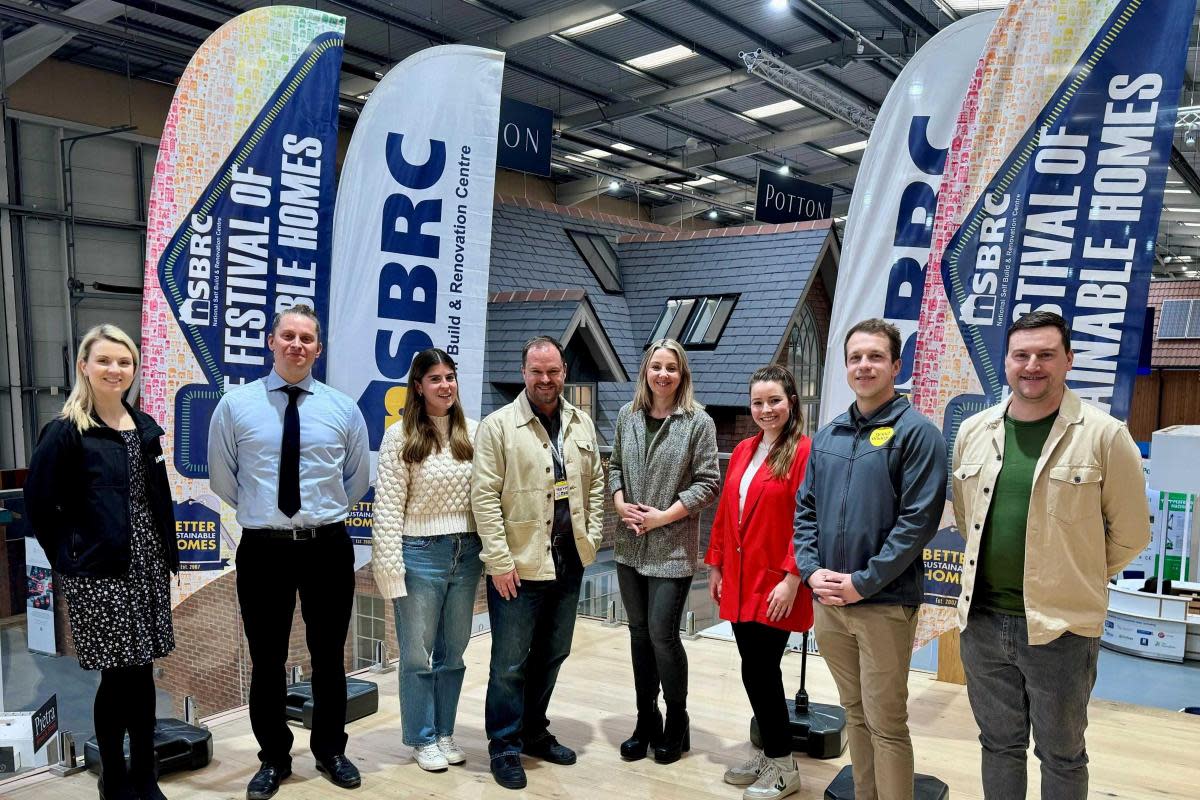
x=547, y=748
x=265, y=782
x=647, y=734
x=340, y=771
x=508, y=772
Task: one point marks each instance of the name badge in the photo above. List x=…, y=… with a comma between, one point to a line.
x=561, y=490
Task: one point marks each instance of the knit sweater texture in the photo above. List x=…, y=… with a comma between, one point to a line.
x=432, y=498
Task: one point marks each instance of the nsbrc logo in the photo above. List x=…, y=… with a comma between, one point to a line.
x=197, y=308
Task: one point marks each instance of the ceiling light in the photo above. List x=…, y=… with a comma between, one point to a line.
x=713, y=214
x=614, y=185
x=1178, y=191
x=575, y=158
x=853, y=147
x=559, y=167
x=748, y=206
x=661, y=58
x=699, y=182
x=675, y=186
x=1184, y=210
x=773, y=109
x=596, y=153
x=1189, y=224
x=785, y=170
x=779, y=5
x=596, y=24
x=974, y=5
x=624, y=148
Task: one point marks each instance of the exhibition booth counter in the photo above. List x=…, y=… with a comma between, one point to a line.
x=1165, y=627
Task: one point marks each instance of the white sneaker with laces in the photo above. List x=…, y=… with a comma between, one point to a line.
x=747, y=773
x=429, y=757
x=778, y=779
x=450, y=749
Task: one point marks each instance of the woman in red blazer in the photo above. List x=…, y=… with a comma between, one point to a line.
x=753, y=574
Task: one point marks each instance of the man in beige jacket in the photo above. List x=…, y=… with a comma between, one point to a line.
x=538, y=499
x=1049, y=495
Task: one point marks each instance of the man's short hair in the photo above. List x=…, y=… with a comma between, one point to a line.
x=543, y=341
x=300, y=310
x=1041, y=319
x=876, y=327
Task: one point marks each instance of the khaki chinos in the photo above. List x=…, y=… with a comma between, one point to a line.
x=868, y=647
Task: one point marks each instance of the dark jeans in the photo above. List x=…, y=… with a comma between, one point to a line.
x=531, y=638
x=1013, y=685
x=270, y=573
x=761, y=648
x=125, y=702
x=653, y=606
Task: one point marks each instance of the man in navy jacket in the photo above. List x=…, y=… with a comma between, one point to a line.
x=873, y=494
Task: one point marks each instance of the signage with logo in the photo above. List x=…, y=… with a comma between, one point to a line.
x=782, y=198
x=526, y=132
x=45, y=723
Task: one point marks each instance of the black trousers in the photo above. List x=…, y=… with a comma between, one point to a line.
x=270, y=573
x=761, y=648
x=653, y=607
x=125, y=703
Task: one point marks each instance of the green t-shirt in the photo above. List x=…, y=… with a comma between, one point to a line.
x=1000, y=581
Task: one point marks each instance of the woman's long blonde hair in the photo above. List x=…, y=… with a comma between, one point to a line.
x=420, y=436
x=81, y=402
x=685, y=398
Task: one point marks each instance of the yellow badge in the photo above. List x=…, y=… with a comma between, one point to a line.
x=881, y=436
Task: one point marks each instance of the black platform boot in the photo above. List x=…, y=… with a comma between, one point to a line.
x=677, y=735
x=647, y=734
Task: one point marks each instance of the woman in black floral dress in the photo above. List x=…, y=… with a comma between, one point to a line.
x=100, y=505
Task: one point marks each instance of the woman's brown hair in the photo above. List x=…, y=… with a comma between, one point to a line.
x=420, y=435
x=783, y=452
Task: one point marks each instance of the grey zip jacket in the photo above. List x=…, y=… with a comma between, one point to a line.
x=872, y=497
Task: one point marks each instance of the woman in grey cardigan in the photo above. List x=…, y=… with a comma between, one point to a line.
x=663, y=470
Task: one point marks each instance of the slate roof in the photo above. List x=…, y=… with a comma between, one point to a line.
x=1173, y=352
x=531, y=252
x=511, y=325
x=769, y=272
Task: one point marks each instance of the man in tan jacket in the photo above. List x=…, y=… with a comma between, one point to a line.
x=538, y=498
x=1069, y=512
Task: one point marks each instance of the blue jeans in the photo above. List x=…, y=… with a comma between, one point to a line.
x=1013, y=685
x=531, y=638
x=433, y=625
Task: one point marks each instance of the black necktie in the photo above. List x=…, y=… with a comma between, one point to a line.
x=289, y=455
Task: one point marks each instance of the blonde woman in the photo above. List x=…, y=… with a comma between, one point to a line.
x=426, y=554
x=663, y=471
x=100, y=505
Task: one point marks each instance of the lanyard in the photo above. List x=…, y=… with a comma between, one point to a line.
x=557, y=452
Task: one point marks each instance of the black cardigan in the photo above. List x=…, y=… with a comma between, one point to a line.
x=77, y=496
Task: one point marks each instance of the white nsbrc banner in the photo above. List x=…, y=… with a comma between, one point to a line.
x=412, y=234
x=889, y=227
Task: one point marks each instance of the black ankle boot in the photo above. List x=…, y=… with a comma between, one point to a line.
x=677, y=736
x=647, y=734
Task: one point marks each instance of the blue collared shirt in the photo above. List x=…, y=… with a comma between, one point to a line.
x=244, y=437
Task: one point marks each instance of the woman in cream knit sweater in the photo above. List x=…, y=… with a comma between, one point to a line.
x=426, y=553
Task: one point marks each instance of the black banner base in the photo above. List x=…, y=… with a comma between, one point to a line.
x=925, y=787
x=362, y=700
x=177, y=746
x=818, y=732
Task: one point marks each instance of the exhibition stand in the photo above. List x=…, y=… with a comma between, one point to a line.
x=1156, y=614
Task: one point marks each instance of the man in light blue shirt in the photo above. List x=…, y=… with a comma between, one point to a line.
x=292, y=456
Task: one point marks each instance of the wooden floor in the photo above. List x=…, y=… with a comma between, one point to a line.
x=1135, y=752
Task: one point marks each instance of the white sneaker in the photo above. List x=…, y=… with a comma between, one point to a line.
x=452, y=752
x=747, y=773
x=429, y=757
x=778, y=779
